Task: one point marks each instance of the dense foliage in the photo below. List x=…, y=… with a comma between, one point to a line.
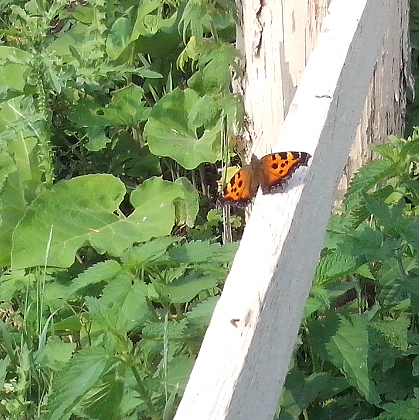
x=111, y=116
x=358, y=357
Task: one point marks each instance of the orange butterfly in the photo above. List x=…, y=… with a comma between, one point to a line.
x=270, y=172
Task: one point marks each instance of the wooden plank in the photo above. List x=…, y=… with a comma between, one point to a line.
x=245, y=354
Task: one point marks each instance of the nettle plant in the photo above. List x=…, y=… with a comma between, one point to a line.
x=111, y=115
x=358, y=352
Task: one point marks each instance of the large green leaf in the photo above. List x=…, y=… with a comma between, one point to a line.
x=61, y=220
x=55, y=354
x=154, y=215
x=172, y=130
x=81, y=211
x=194, y=252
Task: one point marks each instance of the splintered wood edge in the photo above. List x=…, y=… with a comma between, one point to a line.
x=244, y=357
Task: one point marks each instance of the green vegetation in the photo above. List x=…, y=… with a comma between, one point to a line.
x=358, y=355
x=109, y=119
x=111, y=116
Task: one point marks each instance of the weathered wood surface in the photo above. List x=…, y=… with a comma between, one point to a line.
x=245, y=354
x=385, y=106
x=276, y=39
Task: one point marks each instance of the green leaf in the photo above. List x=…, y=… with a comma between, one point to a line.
x=194, y=252
x=79, y=375
x=55, y=354
x=12, y=208
x=4, y=363
x=126, y=108
x=388, y=338
x=61, y=220
x=366, y=178
x=187, y=208
x=170, y=131
x=154, y=216
x=103, y=271
x=97, y=139
x=344, y=342
x=216, y=75
x=129, y=296
x=196, y=19
x=81, y=211
x=84, y=14
x=410, y=232
x=401, y=410
x=103, y=402
x=185, y=289
x=300, y=392
x=200, y=315
x=179, y=370
x=141, y=21
x=335, y=265
x=147, y=253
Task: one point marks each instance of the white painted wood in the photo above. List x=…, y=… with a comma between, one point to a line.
x=245, y=354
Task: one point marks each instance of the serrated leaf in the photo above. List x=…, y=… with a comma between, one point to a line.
x=300, y=392
x=130, y=297
x=196, y=19
x=179, y=369
x=200, y=315
x=103, y=271
x=186, y=288
x=103, y=402
x=400, y=410
x=410, y=232
x=194, y=252
x=344, y=342
x=203, y=111
x=144, y=254
x=335, y=265
x=75, y=380
x=156, y=331
x=388, y=340
x=366, y=178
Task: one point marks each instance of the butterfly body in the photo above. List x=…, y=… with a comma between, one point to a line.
x=270, y=173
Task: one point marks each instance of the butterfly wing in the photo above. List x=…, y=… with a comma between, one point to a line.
x=241, y=188
x=277, y=168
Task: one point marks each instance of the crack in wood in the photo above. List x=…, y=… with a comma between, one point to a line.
x=257, y=41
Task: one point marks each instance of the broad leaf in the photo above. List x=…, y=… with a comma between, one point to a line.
x=61, y=220
x=81, y=211
x=172, y=130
